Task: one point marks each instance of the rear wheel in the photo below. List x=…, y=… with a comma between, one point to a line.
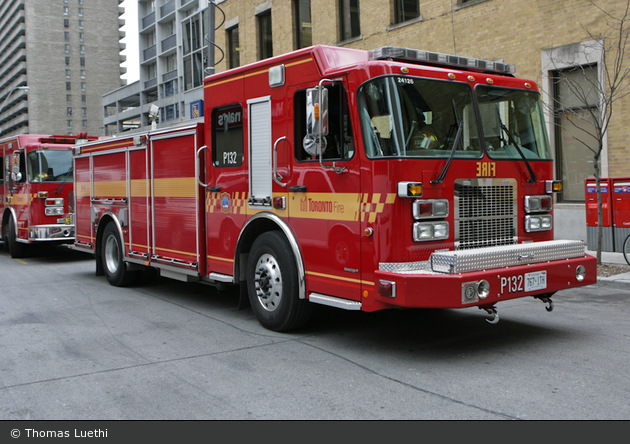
x=272, y=283
x=114, y=267
x=16, y=249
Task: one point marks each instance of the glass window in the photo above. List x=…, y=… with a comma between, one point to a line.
x=50, y=165
x=227, y=136
x=576, y=99
x=302, y=23
x=339, y=141
x=66, y=35
x=512, y=121
x=265, y=42
x=68, y=73
x=349, y=26
x=66, y=11
x=405, y=10
x=414, y=117
x=69, y=112
x=233, y=47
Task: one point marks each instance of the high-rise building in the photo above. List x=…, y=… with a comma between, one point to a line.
x=57, y=59
x=173, y=58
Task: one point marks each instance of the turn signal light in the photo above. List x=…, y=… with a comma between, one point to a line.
x=553, y=186
x=409, y=189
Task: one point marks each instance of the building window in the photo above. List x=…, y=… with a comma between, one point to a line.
x=66, y=23
x=81, y=37
x=67, y=61
x=169, y=89
x=82, y=61
x=69, y=98
x=80, y=24
x=68, y=73
x=84, y=123
x=68, y=86
x=171, y=62
x=83, y=99
x=66, y=10
x=80, y=12
x=84, y=112
x=82, y=49
x=265, y=42
x=349, y=26
x=66, y=35
x=405, y=10
x=151, y=71
x=83, y=73
x=303, y=25
x=69, y=112
x=69, y=124
x=234, y=59
x=193, y=48
x=67, y=49
x=576, y=98
x=82, y=86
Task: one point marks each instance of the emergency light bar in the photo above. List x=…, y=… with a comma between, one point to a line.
x=435, y=58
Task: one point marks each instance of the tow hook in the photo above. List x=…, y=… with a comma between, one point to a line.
x=492, y=311
x=547, y=301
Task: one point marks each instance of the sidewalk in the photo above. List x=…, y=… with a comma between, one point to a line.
x=613, y=258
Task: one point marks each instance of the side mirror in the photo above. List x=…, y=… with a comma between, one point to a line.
x=16, y=174
x=316, y=120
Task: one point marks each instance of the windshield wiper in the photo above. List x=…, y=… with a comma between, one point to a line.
x=65, y=177
x=533, y=178
x=458, y=135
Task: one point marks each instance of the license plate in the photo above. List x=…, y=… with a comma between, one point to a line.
x=536, y=281
x=524, y=282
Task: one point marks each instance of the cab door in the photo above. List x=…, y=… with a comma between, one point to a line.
x=324, y=196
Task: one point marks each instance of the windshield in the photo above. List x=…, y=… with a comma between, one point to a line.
x=510, y=116
x=413, y=117
x=49, y=165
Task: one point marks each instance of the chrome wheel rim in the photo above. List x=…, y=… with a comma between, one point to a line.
x=268, y=282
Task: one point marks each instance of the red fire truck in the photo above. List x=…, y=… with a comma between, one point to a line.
x=36, y=186
x=362, y=180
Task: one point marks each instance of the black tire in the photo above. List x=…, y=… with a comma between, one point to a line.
x=626, y=250
x=5, y=239
x=272, y=284
x=16, y=249
x=114, y=267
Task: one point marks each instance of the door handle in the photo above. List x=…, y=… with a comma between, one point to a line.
x=197, y=166
x=277, y=177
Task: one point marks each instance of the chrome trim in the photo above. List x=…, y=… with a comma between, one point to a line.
x=332, y=301
x=41, y=233
x=292, y=242
x=482, y=209
x=465, y=261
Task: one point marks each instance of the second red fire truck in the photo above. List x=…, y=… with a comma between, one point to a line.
x=36, y=187
x=364, y=180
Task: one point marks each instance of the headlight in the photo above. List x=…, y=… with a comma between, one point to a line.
x=427, y=231
x=538, y=223
x=534, y=204
x=424, y=209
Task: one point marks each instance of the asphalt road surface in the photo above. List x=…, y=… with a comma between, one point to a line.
x=72, y=347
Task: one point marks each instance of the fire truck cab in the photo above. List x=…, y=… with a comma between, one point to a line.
x=362, y=180
x=36, y=186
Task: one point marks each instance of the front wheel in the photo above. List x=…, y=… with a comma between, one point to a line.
x=16, y=249
x=626, y=250
x=272, y=284
x=112, y=254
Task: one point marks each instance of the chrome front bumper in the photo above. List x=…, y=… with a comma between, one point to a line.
x=42, y=233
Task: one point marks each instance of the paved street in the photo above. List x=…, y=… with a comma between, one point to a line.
x=73, y=347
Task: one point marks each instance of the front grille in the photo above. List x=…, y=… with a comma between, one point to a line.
x=485, y=213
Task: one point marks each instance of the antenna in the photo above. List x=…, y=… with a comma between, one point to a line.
x=210, y=37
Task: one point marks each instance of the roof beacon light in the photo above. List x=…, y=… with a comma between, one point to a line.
x=416, y=55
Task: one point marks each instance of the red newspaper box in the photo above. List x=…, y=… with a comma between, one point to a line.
x=591, y=215
x=620, y=210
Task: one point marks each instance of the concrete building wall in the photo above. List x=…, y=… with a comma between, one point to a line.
x=71, y=57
